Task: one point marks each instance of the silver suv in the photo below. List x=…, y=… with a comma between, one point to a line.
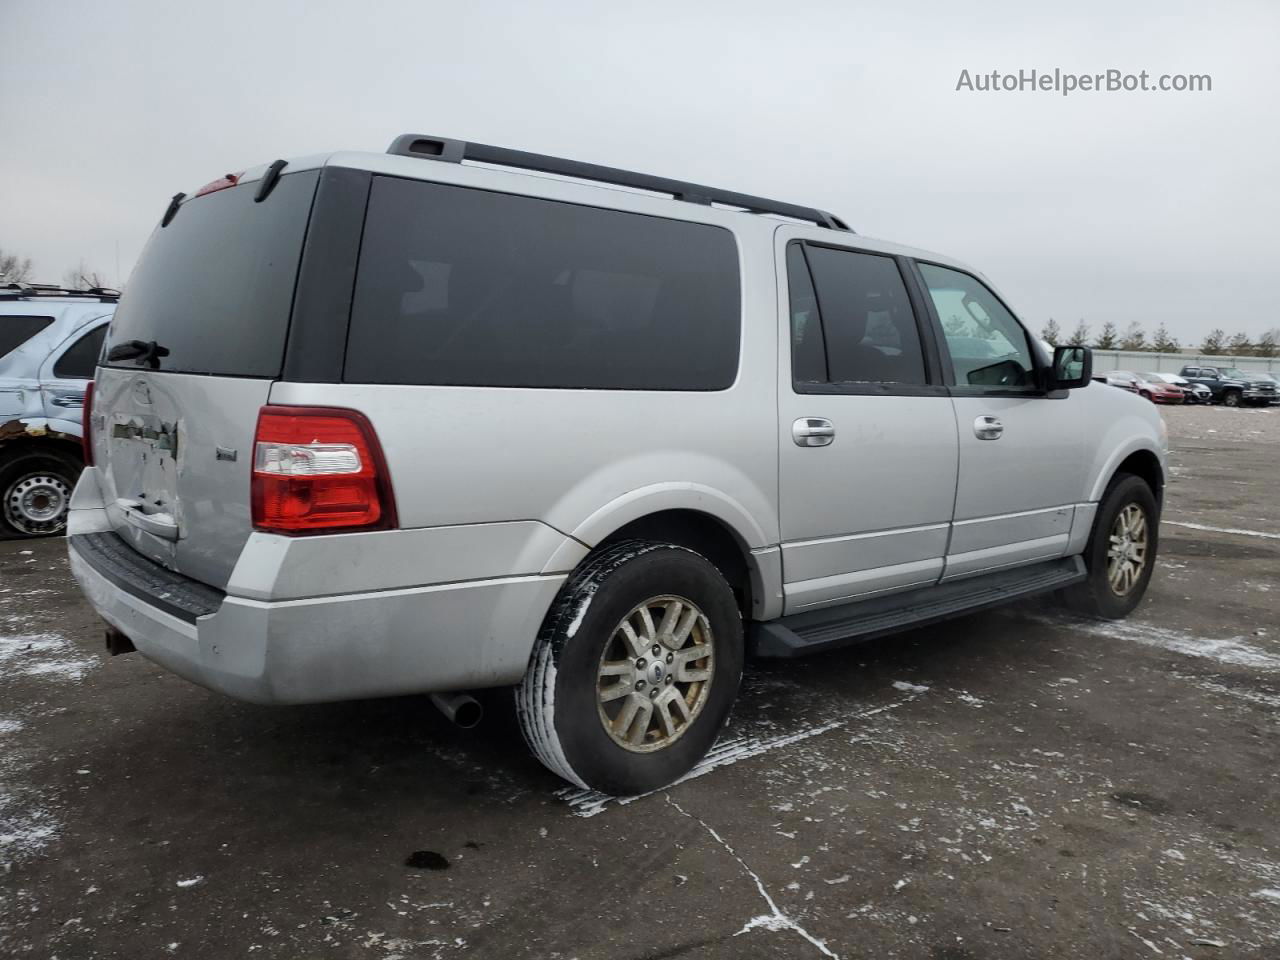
x=49, y=343
x=422, y=421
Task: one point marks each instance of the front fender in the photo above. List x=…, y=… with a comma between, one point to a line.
x=1127, y=432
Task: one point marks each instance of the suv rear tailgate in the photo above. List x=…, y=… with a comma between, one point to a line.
x=195, y=345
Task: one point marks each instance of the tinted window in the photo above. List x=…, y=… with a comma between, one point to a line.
x=15, y=331
x=867, y=321
x=215, y=286
x=471, y=288
x=988, y=346
x=808, y=353
x=79, y=359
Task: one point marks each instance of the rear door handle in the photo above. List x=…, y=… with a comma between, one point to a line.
x=68, y=400
x=160, y=525
x=988, y=428
x=813, y=432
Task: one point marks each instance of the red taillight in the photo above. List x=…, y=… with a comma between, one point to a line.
x=86, y=426
x=317, y=469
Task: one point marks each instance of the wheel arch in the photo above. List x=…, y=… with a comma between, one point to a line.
x=702, y=519
x=1142, y=462
x=21, y=437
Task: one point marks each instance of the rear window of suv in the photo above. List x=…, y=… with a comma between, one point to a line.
x=215, y=287
x=466, y=287
x=15, y=331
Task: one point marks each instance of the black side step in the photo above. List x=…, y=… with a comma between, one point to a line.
x=804, y=633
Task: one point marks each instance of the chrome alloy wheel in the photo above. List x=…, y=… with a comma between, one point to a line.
x=655, y=673
x=1127, y=550
x=37, y=504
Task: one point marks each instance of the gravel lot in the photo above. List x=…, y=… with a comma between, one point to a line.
x=1014, y=784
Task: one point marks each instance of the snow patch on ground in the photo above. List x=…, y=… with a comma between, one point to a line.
x=909, y=687
x=42, y=655
x=28, y=821
x=775, y=919
x=588, y=803
x=1235, y=530
x=1236, y=651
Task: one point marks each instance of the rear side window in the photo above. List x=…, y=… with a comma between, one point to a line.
x=215, y=286
x=867, y=322
x=15, y=331
x=466, y=287
x=808, y=351
x=79, y=359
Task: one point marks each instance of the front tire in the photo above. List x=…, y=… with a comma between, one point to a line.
x=1231, y=398
x=35, y=494
x=1121, y=552
x=635, y=669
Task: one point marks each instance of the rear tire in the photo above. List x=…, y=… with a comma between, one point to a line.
x=1121, y=552
x=594, y=661
x=35, y=494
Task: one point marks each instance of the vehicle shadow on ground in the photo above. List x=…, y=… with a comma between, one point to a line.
x=172, y=751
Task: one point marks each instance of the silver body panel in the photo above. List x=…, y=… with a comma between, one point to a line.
x=156, y=437
x=34, y=400
x=501, y=492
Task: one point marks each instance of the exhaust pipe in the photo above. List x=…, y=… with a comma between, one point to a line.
x=461, y=708
x=118, y=643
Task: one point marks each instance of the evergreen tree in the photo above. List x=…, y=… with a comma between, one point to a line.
x=1213, y=342
x=1164, y=342
x=1108, y=338
x=1239, y=345
x=1134, y=338
x=1051, y=334
x=1080, y=335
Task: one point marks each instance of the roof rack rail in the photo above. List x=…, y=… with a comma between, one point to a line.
x=27, y=291
x=455, y=151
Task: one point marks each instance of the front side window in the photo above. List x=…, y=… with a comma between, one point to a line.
x=865, y=323
x=988, y=346
x=15, y=331
x=79, y=359
x=465, y=287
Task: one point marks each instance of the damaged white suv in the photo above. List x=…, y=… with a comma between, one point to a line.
x=378, y=424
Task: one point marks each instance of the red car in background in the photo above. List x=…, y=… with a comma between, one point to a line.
x=1157, y=391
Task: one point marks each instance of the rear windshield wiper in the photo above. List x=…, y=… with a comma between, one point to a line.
x=144, y=351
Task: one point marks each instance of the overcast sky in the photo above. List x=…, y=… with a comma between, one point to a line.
x=1103, y=206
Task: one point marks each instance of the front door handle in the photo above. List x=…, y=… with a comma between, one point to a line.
x=812, y=432
x=988, y=428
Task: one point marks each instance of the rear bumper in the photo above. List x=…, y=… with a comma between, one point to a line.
x=443, y=637
x=307, y=620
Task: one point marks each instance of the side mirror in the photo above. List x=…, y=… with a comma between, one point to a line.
x=1072, y=368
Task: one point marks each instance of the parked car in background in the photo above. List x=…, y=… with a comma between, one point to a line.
x=1271, y=379
x=1193, y=392
x=1119, y=378
x=1231, y=386
x=1157, y=391
x=50, y=339
x=465, y=427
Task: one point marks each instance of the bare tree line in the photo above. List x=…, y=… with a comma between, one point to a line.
x=15, y=268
